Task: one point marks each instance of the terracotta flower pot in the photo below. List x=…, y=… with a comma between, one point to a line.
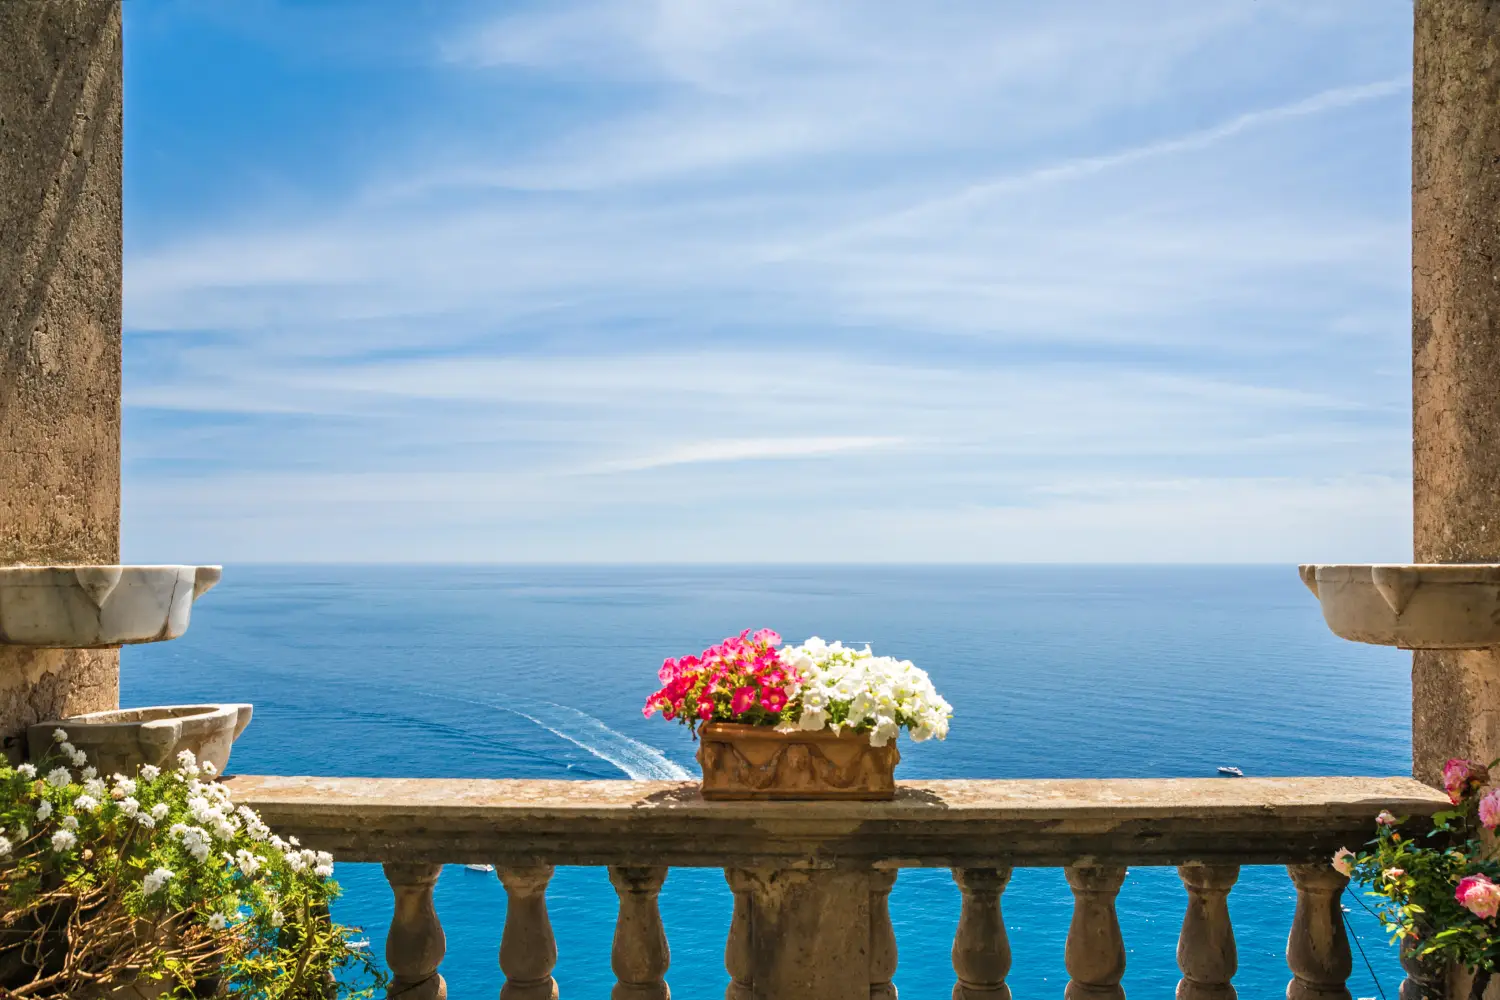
x=758, y=762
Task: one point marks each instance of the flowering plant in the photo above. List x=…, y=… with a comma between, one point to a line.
x=752, y=679
x=1440, y=894
x=158, y=878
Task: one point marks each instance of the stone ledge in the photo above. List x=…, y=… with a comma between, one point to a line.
x=930, y=824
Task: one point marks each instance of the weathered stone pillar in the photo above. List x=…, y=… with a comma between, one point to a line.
x=809, y=935
x=1456, y=353
x=60, y=203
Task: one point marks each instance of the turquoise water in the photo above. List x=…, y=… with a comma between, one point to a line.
x=540, y=672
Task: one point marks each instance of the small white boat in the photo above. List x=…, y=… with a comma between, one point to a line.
x=480, y=868
x=1231, y=772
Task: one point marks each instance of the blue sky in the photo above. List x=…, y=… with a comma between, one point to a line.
x=698, y=280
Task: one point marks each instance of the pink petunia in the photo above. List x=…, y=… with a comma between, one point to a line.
x=743, y=700
x=1478, y=895
x=773, y=699
x=705, y=710
x=767, y=637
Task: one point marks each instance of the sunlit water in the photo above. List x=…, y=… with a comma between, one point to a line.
x=522, y=672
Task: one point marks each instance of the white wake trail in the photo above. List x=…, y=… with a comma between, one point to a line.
x=638, y=760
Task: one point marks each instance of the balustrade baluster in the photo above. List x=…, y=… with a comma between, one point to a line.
x=1317, y=950
x=981, y=950
x=528, y=951
x=1205, y=949
x=640, y=955
x=1425, y=980
x=738, y=960
x=1095, y=954
x=882, y=936
x=415, y=945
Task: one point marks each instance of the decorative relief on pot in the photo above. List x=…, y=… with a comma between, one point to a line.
x=757, y=762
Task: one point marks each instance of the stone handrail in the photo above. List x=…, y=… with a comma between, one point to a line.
x=811, y=879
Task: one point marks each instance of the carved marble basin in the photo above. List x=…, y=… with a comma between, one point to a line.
x=120, y=741
x=1420, y=606
x=85, y=607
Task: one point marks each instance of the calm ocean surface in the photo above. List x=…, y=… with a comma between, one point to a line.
x=538, y=672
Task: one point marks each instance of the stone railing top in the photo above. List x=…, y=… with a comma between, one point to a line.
x=930, y=823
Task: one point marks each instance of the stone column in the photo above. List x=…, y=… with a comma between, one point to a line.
x=809, y=934
x=1456, y=353
x=60, y=203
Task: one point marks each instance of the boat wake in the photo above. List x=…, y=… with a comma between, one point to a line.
x=638, y=760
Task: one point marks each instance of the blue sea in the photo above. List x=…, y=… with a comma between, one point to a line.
x=539, y=672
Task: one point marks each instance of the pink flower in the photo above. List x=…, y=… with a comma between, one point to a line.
x=705, y=710
x=1392, y=874
x=1489, y=810
x=743, y=700
x=773, y=699
x=1384, y=818
x=1343, y=862
x=1460, y=777
x=1479, y=896
x=766, y=637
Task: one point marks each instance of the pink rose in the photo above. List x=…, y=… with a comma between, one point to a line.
x=1479, y=896
x=1343, y=862
x=1489, y=810
x=1460, y=777
x=1384, y=818
x=743, y=700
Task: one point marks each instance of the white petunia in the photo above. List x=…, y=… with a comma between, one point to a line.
x=64, y=840
x=129, y=806
x=150, y=772
x=27, y=771
x=59, y=777
x=187, y=761
x=86, y=803
x=79, y=758
x=159, y=811
x=43, y=811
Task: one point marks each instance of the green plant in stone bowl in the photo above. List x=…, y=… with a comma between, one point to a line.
x=156, y=885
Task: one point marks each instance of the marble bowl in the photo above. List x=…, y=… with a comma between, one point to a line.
x=1418, y=606
x=90, y=607
x=120, y=741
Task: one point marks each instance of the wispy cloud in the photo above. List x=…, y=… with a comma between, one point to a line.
x=987, y=281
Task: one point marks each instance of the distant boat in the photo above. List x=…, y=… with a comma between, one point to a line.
x=480, y=868
x=1231, y=772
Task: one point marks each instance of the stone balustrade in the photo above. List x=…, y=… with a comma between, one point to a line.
x=811, y=881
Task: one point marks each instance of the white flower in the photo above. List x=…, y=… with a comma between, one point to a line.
x=249, y=863
x=218, y=921
x=207, y=767
x=159, y=811
x=150, y=772
x=27, y=771
x=23, y=833
x=145, y=820
x=86, y=803
x=59, y=736
x=5, y=847
x=129, y=806
x=90, y=773
x=96, y=788
x=277, y=919
x=79, y=758
x=187, y=762
x=66, y=749
x=64, y=840
x=69, y=823
x=58, y=777
x=323, y=871
x=43, y=811
x=156, y=881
